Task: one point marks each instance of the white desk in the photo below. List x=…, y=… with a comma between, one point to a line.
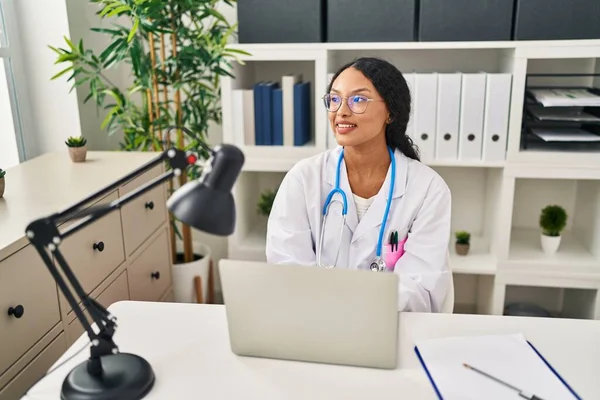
x=188, y=347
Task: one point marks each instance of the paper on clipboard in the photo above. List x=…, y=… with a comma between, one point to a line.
x=507, y=357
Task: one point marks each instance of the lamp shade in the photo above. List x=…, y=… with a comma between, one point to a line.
x=207, y=204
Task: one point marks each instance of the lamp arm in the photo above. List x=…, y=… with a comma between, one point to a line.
x=43, y=233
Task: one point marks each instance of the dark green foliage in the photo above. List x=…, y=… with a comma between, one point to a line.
x=141, y=112
x=463, y=237
x=78, y=141
x=553, y=220
x=265, y=202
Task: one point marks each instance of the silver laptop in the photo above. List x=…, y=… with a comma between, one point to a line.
x=332, y=316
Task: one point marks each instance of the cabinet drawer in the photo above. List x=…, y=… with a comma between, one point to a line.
x=117, y=291
x=95, y=251
x=149, y=274
x=144, y=215
x=37, y=368
x=25, y=285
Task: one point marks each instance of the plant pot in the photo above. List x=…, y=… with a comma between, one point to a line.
x=462, y=249
x=550, y=244
x=2, y=186
x=184, y=274
x=78, y=154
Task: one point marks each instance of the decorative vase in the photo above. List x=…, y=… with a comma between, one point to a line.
x=550, y=244
x=462, y=249
x=2, y=185
x=78, y=154
x=184, y=274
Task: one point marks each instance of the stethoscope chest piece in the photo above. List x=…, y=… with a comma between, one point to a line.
x=378, y=265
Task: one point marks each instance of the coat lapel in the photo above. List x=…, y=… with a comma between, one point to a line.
x=374, y=215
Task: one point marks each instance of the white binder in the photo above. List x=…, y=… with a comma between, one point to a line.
x=471, y=116
x=425, y=114
x=331, y=142
x=497, y=110
x=448, y=112
x=410, y=81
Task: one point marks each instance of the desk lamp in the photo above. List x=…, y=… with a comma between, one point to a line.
x=205, y=204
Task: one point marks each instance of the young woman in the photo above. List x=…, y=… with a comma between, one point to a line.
x=397, y=210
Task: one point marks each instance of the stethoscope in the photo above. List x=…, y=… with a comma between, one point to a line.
x=378, y=264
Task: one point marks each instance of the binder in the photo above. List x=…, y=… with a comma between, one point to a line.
x=287, y=87
x=471, y=116
x=448, y=112
x=495, y=121
x=410, y=82
x=425, y=113
x=331, y=142
x=509, y=358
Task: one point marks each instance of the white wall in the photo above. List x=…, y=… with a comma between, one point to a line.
x=9, y=155
x=51, y=110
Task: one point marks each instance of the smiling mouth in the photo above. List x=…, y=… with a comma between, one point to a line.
x=345, y=126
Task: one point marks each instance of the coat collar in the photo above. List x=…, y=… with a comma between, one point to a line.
x=374, y=215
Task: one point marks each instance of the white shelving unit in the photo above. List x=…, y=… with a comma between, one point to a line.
x=498, y=202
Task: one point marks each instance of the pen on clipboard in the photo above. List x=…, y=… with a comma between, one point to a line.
x=525, y=395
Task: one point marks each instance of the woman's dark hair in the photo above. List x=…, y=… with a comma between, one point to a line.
x=392, y=86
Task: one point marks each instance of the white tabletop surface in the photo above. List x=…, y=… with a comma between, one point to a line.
x=188, y=347
x=52, y=182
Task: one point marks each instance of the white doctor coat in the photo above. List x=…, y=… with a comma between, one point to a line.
x=420, y=208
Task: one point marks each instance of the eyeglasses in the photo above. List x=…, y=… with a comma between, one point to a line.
x=357, y=103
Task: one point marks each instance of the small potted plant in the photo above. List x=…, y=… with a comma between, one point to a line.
x=463, y=242
x=77, y=148
x=553, y=220
x=266, y=202
x=2, y=184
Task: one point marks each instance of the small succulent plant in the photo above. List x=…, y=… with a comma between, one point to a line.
x=73, y=141
x=463, y=237
x=266, y=202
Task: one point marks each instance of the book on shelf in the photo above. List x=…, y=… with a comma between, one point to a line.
x=273, y=113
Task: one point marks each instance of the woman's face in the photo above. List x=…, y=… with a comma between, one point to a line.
x=369, y=117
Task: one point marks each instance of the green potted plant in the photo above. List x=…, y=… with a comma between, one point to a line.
x=2, y=184
x=463, y=242
x=265, y=202
x=177, y=52
x=77, y=148
x=553, y=220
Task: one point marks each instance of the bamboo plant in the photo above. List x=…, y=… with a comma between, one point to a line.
x=177, y=51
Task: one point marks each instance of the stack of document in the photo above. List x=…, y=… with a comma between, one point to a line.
x=565, y=135
x=565, y=97
x=491, y=367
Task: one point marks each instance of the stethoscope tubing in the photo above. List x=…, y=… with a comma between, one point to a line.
x=344, y=202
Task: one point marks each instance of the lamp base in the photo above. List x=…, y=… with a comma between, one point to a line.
x=125, y=376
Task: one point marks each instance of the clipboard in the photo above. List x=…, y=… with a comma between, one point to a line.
x=510, y=358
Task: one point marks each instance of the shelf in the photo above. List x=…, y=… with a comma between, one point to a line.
x=252, y=246
x=572, y=257
x=524, y=44
x=276, y=158
x=478, y=261
x=579, y=251
x=543, y=301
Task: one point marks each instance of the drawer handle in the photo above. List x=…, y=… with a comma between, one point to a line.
x=99, y=246
x=149, y=205
x=16, y=311
x=155, y=275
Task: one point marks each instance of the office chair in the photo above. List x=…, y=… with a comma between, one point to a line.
x=448, y=305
